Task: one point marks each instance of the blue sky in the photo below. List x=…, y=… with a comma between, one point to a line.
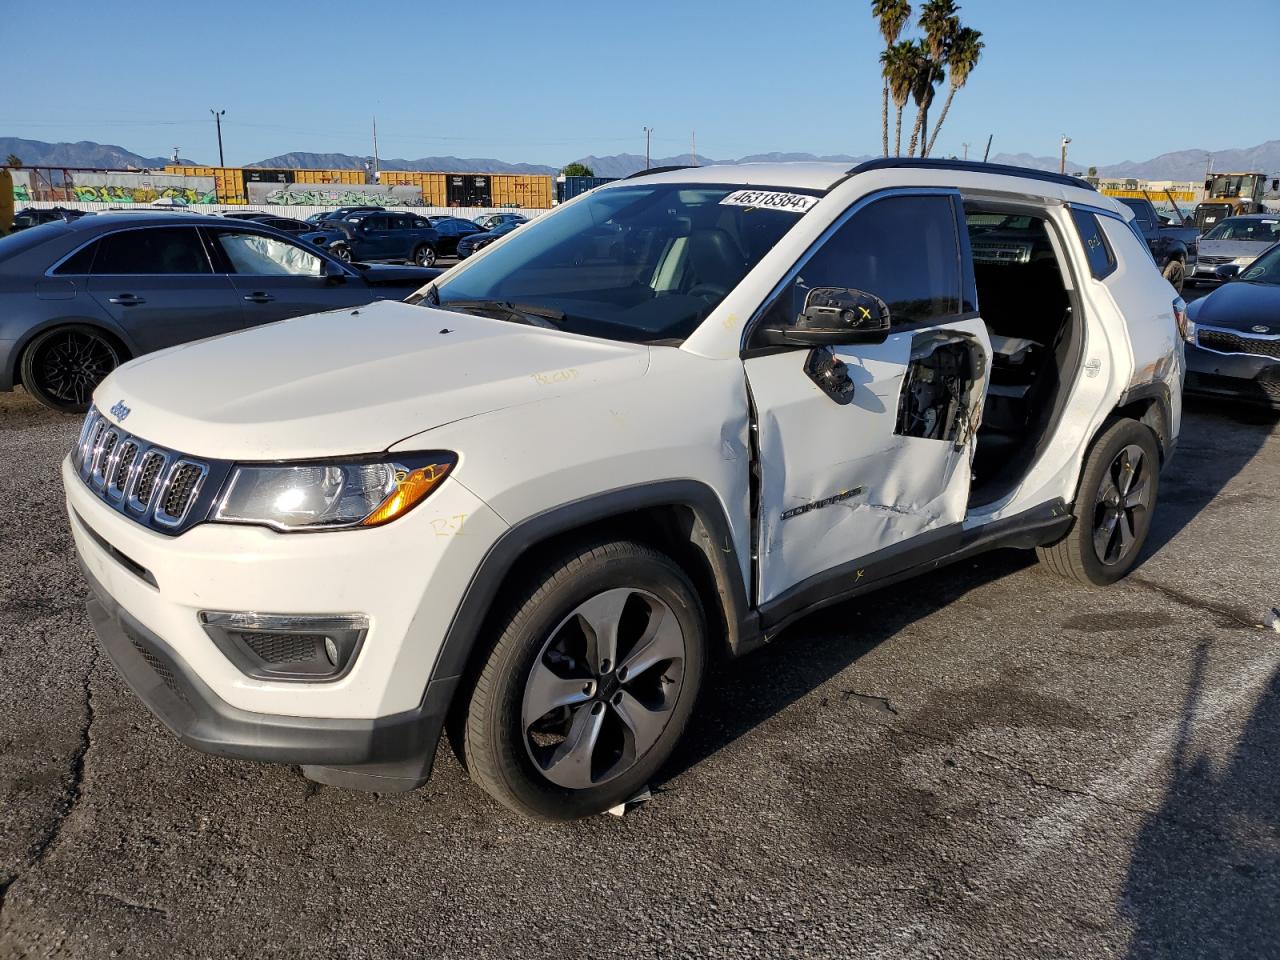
x=527, y=82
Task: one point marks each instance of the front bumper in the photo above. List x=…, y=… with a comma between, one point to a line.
x=386, y=753
x=1240, y=376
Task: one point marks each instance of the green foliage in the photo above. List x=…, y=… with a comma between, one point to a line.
x=576, y=169
x=13, y=160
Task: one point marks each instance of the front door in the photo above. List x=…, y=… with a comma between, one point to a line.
x=276, y=279
x=853, y=479
x=158, y=285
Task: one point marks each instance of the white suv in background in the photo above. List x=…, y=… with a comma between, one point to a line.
x=666, y=419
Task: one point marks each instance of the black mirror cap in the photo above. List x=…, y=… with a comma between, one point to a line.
x=334, y=273
x=1228, y=271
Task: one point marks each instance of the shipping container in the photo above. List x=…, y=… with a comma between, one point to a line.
x=329, y=176
x=468, y=190
x=569, y=187
x=432, y=185
x=527, y=191
x=228, y=182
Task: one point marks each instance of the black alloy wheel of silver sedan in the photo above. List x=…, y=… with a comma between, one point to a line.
x=587, y=683
x=62, y=367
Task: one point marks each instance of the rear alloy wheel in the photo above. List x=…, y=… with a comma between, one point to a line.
x=61, y=368
x=1113, y=508
x=1176, y=273
x=589, y=685
x=425, y=255
x=342, y=252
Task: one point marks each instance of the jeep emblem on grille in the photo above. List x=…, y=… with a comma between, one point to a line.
x=120, y=411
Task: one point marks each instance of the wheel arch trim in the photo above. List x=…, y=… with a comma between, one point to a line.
x=710, y=534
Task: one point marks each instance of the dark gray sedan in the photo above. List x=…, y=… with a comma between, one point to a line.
x=79, y=298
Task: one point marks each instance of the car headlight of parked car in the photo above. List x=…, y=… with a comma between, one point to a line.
x=331, y=496
x=1243, y=261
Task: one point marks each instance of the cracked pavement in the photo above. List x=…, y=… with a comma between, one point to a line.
x=985, y=762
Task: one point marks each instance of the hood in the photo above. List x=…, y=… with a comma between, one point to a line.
x=352, y=381
x=390, y=275
x=1233, y=248
x=1240, y=305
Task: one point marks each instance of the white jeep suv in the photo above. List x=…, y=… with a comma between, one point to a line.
x=661, y=422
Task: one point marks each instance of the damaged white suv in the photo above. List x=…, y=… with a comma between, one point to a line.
x=663, y=421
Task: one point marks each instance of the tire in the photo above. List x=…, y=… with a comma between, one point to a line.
x=1175, y=271
x=1110, y=501
x=524, y=758
x=425, y=255
x=62, y=367
x=341, y=251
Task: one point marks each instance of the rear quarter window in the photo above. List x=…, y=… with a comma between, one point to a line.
x=1102, y=259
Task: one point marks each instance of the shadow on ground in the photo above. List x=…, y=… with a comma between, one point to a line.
x=1204, y=877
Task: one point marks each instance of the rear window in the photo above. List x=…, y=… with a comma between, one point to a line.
x=24, y=240
x=1102, y=261
x=152, y=250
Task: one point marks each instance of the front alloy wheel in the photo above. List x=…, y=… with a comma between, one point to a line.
x=603, y=687
x=587, y=683
x=342, y=252
x=425, y=256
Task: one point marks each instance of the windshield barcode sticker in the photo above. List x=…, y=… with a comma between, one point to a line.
x=769, y=200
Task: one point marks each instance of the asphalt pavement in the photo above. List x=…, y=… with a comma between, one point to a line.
x=986, y=762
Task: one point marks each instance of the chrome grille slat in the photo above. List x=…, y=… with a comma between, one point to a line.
x=154, y=486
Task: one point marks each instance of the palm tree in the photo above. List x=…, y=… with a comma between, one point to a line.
x=893, y=16
x=922, y=91
x=940, y=22
x=901, y=63
x=963, y=54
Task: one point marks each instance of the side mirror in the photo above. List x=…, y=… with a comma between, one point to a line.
x=1228, y=271
x=834, y=316
x=333, y=274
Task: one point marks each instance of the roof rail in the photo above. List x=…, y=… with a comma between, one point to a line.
x=645, y=173
x=972, y=166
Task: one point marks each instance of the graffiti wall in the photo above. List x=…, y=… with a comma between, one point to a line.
x=22, y=186
x=333, y=195
x=141, y=188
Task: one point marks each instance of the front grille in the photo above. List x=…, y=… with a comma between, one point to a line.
x=1225, y=341
x=178, y=490
x=147, y=483
x=284, y=647
x=1215, y=261
x=120, y=473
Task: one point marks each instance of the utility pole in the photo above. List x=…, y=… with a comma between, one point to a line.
x=217, y=120
x=966, y=150
x=1062, y=163
x=648, y=132
x=377, y=166
x=693, y=155
x=986, y=153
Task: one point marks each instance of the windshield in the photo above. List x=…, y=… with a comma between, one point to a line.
x=1229, y=185
x=1264, y=230
x=643, y=262
x=1266, y=269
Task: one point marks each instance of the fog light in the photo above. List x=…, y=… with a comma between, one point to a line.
x=287, y=647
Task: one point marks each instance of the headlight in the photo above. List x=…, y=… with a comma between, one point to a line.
x=329, y=496
x=1243, y=261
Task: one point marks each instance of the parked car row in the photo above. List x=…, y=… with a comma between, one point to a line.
x=78, y=297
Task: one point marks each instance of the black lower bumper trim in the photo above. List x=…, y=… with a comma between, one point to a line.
x=386, y=753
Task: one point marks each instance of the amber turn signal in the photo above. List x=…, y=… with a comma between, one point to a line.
x=411, y=488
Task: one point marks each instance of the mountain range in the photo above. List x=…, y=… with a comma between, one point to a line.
x=1188, y=165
